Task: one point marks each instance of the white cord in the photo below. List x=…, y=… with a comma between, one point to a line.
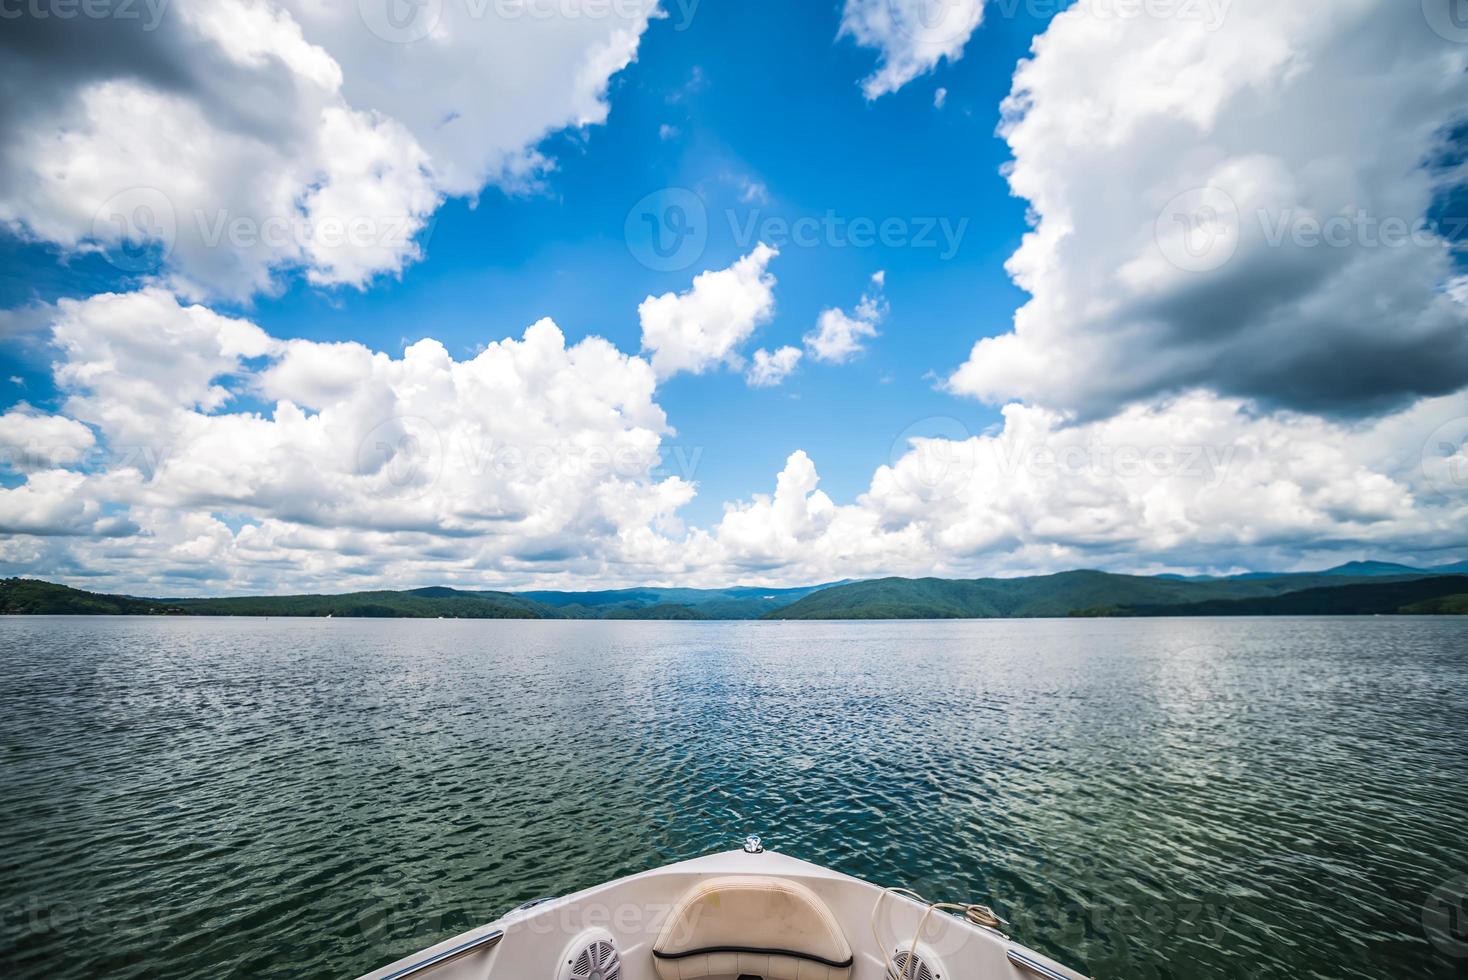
x=979, y=915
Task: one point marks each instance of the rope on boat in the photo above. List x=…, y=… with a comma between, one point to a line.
x=979, y=915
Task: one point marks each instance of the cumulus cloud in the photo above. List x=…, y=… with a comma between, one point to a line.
x=1201, y=482
x=139, y=365
x=770, y=369
x=479, y=85
x=257, y=464
x=911, y=36
x=32, y=440
x=765, y=532
x=1200, y=388
x=216, y=143
x=839, y=336
x=1229, y=203
x=54, y=503
x=340, y=455
x=695, y=330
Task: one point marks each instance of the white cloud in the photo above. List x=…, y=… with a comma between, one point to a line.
x=1180, y=170
x=939, y=98
x=33, y=440
x=237, y=139
x=771, y=368
x=1199, y=483
x=138, y=365
x=753, y=191
x=839, y=335
x=769, y=530
x=911, y=36
x=695, y=330
x=530, y=455
x=488, y=81
x=196, y=452
x=53, y=503
x=228, y=460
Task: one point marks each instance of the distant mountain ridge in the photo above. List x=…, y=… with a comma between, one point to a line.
x=740, y=602
x=1357, y=588
x=1079, y=593
x=1351, y=569
x=30, y=596
x=1416, y=596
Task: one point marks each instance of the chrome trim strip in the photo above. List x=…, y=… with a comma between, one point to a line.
x=487, y=941
x=1034, y=966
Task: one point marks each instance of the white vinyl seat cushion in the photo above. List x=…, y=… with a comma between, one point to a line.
x=752, y=926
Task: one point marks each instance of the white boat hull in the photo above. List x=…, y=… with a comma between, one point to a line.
x=534, y=943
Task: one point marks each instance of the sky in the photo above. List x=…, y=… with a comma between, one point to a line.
x=319, y=296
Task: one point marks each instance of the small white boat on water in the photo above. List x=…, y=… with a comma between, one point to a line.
x=749, y=914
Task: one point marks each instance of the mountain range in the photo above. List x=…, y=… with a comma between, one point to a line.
x=1357, y=588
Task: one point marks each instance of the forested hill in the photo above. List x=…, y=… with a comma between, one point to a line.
x=29, y=596
x=1359, y=589
x=1085, y=593
x=1447, y=595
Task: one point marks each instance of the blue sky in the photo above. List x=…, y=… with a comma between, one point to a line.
x=1172, y=372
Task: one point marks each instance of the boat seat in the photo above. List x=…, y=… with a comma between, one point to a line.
x=752, y=926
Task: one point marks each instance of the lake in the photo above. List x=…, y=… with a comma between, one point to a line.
x=1192, y=799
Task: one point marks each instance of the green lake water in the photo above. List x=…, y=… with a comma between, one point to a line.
x=1188, y=799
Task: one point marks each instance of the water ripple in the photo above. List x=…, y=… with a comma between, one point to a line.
x=1153, y=799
